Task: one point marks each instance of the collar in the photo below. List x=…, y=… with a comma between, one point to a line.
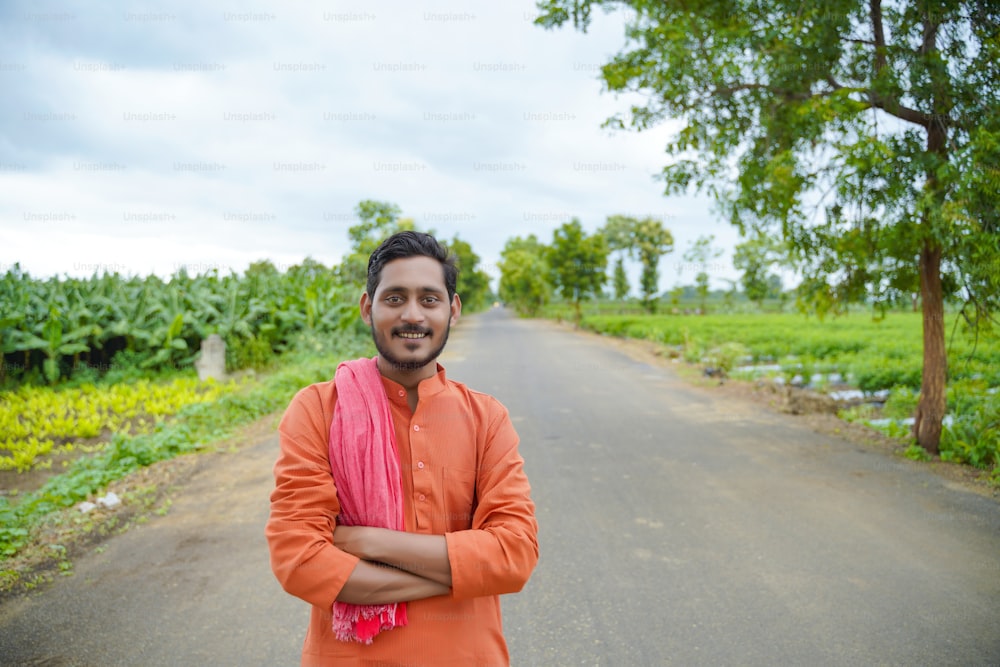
x=428, y=387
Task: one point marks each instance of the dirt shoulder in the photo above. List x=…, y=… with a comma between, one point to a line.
x=800, y=404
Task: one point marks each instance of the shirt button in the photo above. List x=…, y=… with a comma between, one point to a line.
x=416, y=428
x=421, y=497
x=402, y=392
x=420, y=464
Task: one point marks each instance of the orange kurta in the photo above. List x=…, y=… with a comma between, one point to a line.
x=462, y=477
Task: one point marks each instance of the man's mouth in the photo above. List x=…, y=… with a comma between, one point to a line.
x=412, y=335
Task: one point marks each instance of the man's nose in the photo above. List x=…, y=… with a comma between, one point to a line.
x=412, y=312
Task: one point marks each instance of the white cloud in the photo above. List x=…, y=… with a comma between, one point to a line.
x=214, y=136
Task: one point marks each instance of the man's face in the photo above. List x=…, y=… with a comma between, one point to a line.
x=410, y=315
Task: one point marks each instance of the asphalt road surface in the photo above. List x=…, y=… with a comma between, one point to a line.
x=677, y=528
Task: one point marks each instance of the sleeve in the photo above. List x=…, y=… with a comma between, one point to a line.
x=499, y=552
x=304, y=507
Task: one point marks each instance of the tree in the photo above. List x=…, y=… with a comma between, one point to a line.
x=577, y=264
x=754, y=258
x=473, y=283
x=618, y=234
x=645, y=239
x=867, y=133
x=776, y=290
x=676, y=294
x=652, y=241
x=376, y=221
x=699, y=253
x=523, y=271
x=620, y=280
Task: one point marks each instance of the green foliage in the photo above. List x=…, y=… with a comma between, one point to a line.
x=724, y=358
x=754, y=258
x=194, y=428
x=645, y=239
x=857, y=345
x=901, y=403
x=676, y=294
x=865, y=135
x=881, y=373
x=973, y=435
x=34, y=421
x=376, y=221
x=693, y=351
x=872, y=353
x=799, y=96
x=523, y=275
x=914, y=452
x=700, y=253
x=473, y=283
x=252, y=352
x=130, y=327
x=577, y=263
x=620, y=280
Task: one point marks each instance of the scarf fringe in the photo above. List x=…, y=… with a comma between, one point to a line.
x=360, y=623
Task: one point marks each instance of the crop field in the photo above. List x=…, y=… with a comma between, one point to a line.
x=54, y=330
x=872, y=354
x=35, y=421
x=97, y=377
x=869, y=354
x=203, y=413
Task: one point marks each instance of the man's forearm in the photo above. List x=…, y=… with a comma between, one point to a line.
x=373, y=583
x=423, y=555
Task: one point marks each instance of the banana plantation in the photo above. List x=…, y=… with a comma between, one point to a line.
x=62, y=328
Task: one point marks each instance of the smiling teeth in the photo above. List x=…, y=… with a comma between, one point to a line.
x=411, y=335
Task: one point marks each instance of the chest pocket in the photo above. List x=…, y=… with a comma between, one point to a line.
x=458, y=498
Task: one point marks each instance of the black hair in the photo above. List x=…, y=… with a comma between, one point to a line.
x=411, y=244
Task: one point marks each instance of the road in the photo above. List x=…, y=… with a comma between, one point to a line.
x=677, y=527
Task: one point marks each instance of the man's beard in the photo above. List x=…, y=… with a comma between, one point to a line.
x=415, y=365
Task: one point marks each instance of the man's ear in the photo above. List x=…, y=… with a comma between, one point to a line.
x=366, y=308
x=456, y=308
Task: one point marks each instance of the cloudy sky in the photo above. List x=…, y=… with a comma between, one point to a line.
x=141, y=138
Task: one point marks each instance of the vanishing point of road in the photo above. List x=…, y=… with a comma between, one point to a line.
x=677, y=527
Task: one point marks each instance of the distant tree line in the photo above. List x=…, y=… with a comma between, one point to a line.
x=574, y=265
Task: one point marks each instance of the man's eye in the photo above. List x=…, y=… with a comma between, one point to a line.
x=393, y=299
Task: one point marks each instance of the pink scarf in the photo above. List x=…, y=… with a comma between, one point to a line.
x=365, y=466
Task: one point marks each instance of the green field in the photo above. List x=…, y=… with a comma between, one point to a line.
x=870, y=354
x=38, y=421
x=210, y=413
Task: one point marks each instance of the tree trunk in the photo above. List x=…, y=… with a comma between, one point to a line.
x=932, y=404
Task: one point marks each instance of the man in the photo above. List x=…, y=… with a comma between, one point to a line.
x=469, y=530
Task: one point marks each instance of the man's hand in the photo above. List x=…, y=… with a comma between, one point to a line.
x=423, y=555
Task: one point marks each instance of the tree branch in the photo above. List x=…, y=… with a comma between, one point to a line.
x=890, y=106
x=894, y=108
x=878, y=33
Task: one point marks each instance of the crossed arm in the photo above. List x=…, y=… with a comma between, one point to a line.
x=395, y=566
